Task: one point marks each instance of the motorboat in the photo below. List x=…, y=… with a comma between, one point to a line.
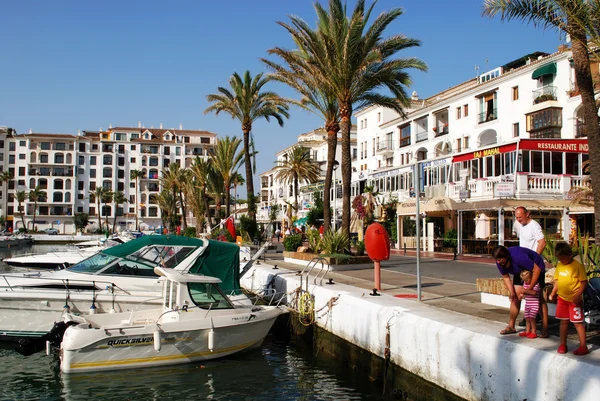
x=63, y=258
x=196, y=321
x=117, y=279
x=116, y=239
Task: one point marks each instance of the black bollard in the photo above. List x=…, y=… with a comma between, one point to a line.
x=455, y=253
x=405, y=249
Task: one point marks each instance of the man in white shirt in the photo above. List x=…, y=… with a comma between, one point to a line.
x=531, y=236
x=529, y=231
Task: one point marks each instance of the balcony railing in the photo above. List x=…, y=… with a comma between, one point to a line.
x=422, y=135
x=488, y=115
x=404, y=142
x=385, y=146
x=544, y=94
x=441, y=130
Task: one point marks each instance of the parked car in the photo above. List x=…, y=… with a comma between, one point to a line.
x=51, y=231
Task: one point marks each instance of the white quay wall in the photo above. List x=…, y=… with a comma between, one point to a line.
x=462, y=354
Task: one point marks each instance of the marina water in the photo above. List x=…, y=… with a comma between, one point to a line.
x=279, y=370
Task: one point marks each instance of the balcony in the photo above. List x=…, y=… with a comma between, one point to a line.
x=488, y=115
x=544, y=94
x=385, y=147
x=580, y=131
x=405, y=141
x=422, y=135
x=441, y=130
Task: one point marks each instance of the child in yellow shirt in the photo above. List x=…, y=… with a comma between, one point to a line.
x=570, y=280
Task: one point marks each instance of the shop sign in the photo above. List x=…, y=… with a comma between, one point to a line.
x=487, y=152
x=504, y=189
x=464, y=194
x=557, y=145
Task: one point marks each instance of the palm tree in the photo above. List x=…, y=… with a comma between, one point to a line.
x=353, y=61
x=118, y=198
x=576, y=18
x=226, y=160
x=98, y=195
x=173, y=176
x=216, y=189
x=298, y=167
x=201, y=171
x=246, y=103
x=299, y=74
x=36, y=195
x=107, y=198
x=236, y=180
x=167, y=202
x=193, y=194
x=6, y=177
x=136, y=175
x=21, y=196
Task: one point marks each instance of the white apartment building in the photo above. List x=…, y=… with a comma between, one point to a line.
x=275, y=192
x=70, y=167
x=513, y=136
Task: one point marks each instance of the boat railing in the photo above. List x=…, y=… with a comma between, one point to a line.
x=108, y=285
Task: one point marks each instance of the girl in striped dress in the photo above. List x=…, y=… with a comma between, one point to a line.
x=532, y=304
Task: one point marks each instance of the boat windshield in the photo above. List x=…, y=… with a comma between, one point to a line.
x=208, y=296
x=140, y=263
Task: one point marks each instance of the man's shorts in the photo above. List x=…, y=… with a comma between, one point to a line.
x=566, y=310
x=541, y=280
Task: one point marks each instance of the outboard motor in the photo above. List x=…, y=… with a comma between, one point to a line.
x=29, y=346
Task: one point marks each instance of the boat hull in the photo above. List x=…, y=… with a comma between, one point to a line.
x=184, y=339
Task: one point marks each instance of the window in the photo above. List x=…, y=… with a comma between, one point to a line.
x=177, y=151
x=59, y=158
x=45, y=145
x=121, y=173
x=92, y=211
x=11, y=146
x=92, y=173
x=107, y=172
x=120, y=186
x=515, y=130
x=132, y=160
x=80, y=185
x=466, y=110
x=121, y=162
x=107, y=160
x=458, y=113
x=58, y=184
x=515, y=93
x=545, y=123
x=22, y=143
x=11, y=159
x=22, y=156
x=21, y=171
x=378, y=117
x=134, y=136
x=57, y=197
x=488, y=107
x=204, y=140
x=82, y=147
x=374, y=146
x=95, y=147
x=92, y=160
x=60, y=146
x=81, y=160
x=92, y=186
x=365, y=120
x=466, y=142
x=133, y=147
x=120, y=137
x=167, y=150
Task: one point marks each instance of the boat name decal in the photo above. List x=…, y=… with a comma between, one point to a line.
x=135, y=341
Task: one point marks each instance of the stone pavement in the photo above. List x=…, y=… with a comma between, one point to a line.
x=458, y=296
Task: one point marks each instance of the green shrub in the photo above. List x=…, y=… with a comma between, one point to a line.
x=451, y=238
x=248, y=226
x=360, y=248
x=190, y=232
x=222, y=235
x=292, y=242
x=335, y=242
x=314, y=240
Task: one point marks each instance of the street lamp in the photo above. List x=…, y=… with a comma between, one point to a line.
x=336, y=164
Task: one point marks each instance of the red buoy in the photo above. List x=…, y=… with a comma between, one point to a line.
x=377, y=243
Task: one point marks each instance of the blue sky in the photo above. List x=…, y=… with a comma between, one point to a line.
x=78, y=65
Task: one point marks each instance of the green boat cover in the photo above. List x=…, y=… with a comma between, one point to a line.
x=220, y=259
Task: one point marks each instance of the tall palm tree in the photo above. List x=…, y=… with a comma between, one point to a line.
x=353, y=62
x=98, y=196
x=36, y=195
x=172, y=177
x=136, y=175
x=118, y=198
x=299, y=74
x=226, y=159
x=6, y=177
x=21, y=196
x=167, y=202
x=216, y=189
x=193, y=194
x=298, y=167
x=246, y=102
x=575, y=18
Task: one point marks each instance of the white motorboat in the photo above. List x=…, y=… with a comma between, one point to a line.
x=117, y=279
x=196, y=322
x=60, y=259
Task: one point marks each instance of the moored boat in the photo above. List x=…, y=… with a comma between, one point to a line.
x=196, y=322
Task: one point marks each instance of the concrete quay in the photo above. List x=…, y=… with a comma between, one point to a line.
x=449, y=338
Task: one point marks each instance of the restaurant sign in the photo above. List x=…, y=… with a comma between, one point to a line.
x=556, y=145
x=504, y=189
